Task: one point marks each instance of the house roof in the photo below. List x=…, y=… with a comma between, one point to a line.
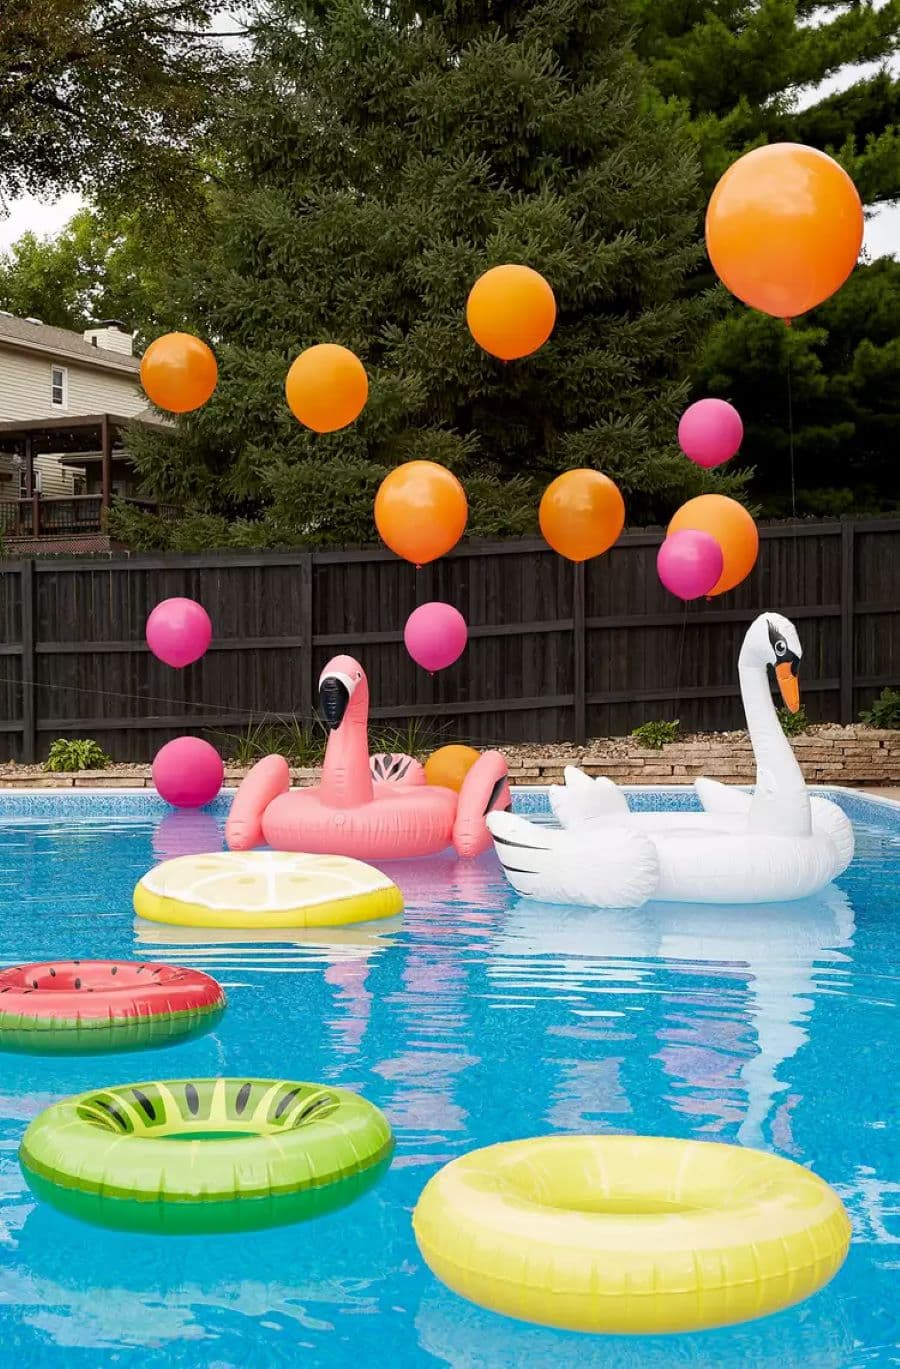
x=44, y=340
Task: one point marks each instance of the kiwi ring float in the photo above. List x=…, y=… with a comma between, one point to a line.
x=184, y=1156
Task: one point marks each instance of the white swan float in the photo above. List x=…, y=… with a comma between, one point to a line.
x=778, y=844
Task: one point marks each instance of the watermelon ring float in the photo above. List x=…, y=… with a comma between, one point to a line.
x=83, y=1006
x=183, y=1156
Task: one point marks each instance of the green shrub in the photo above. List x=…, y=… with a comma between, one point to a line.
x=655, y=735
x=76, y=753
x=792, y=724
x=885, y=711
x=302, y=742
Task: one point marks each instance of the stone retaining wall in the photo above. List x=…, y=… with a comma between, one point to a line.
x=827, y=755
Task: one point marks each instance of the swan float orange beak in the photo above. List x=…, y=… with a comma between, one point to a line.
x=788, y=684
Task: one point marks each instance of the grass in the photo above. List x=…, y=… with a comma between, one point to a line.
x=302, y=741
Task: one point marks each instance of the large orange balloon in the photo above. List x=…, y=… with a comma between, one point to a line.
x=733, y=528
x=511, y=311
x=421, y=511
x=327, y=387
x=784, y=228
x=582, y=513
x=178, y=372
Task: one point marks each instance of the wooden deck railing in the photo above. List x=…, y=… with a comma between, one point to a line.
x=61, y=515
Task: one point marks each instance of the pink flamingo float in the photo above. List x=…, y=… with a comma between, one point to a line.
x=392, y=815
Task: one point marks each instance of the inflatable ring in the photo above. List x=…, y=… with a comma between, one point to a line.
x=203, y=1155
x=84, y=1006
x=630, y=1233
x=265, y=889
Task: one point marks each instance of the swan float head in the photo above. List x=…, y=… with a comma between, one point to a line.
x=339, y=681
x=772, y=643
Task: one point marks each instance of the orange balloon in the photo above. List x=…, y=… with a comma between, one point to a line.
x=733, y=528
x=784, y=228
x=421, y=511
x=511, y=311
x=327, y=387
x=582, y=513
x=449, y=766
x=178, y=372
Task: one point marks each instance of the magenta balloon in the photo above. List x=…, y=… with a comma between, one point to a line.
x=710, y=432
x=689, y=563
x=435, y=635
x=179, y=631
x=188, y=772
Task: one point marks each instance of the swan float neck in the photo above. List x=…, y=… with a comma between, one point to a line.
x=780, y=802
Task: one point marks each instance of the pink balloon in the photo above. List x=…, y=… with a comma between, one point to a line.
x=179, y=631
x=689, y=563
x=188, y=772
x=710, y=432
x=435, y=635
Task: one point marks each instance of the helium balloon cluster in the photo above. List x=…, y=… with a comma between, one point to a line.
x=188, y=771
x=511, y=312
x=711, y=545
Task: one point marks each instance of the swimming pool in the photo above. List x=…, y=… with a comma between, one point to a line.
x=474, y=1018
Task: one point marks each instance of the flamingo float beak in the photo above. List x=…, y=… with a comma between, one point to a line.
x=788, y=684
x=334, y=696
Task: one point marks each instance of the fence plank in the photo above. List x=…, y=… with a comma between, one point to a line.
x=848, y=591
x=29, y=721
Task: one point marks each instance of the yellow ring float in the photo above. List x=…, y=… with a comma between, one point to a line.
x=265, y=889
x=630, y=1233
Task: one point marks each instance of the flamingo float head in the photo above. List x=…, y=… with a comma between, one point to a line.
x=339, y=681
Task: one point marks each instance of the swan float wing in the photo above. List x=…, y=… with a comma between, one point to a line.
x=616, y=868
x=582, y=800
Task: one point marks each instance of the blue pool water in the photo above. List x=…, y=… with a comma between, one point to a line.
x=475, y=1018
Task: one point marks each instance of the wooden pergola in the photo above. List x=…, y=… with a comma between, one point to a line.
x=83, y=436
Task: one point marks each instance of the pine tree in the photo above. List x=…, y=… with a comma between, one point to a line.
x=386, y=155
x=735, y=68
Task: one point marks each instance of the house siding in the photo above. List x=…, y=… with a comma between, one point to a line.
x=25, y=393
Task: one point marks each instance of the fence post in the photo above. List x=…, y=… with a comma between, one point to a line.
x=29, y=688
x=579, y=654
x=848, y=644
x=307, y=630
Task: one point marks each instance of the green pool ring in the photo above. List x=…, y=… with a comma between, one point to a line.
x=205, y=1155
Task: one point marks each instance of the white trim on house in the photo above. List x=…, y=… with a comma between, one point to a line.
x=59, y=385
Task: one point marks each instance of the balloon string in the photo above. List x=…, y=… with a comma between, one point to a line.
x=790, y=408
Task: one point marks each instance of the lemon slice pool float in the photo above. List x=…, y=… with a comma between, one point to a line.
x=265, y=889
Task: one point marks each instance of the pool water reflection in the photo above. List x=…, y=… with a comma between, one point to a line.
x=475, y=1017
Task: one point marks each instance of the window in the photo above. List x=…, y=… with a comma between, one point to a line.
x=59, y=387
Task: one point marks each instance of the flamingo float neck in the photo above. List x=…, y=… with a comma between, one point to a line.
x=346, y=777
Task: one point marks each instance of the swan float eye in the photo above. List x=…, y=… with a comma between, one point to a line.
x=780, y=647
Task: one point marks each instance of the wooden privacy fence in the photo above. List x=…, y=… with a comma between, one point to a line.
x=556, y=653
